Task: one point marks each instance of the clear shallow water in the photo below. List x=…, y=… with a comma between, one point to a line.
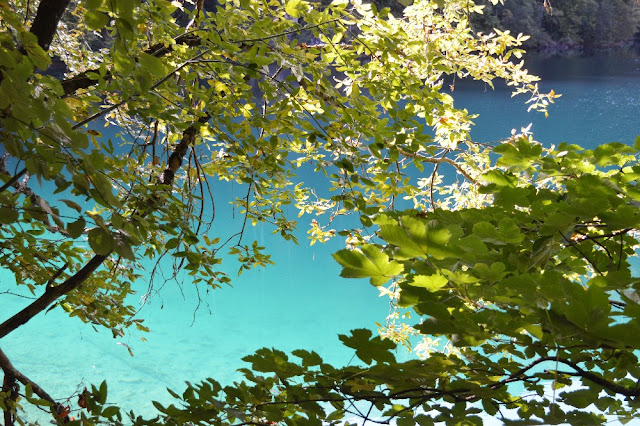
x=301, y=302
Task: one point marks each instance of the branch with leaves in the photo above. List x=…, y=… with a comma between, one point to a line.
x=525, y=259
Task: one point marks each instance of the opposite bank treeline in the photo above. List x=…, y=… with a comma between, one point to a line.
x=559, y=25
x=566, y=24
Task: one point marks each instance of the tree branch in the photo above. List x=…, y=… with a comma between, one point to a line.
x=437, y=161
x=84, y=81
x=52, y=293
x=598, y=380
x=11, y=372
x=10, y=385
x=46, y=21
x=124, y=101
x=12, y=180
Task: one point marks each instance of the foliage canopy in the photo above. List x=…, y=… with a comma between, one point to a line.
x=516, y=254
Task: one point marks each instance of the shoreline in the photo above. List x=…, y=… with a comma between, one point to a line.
x=576, y=49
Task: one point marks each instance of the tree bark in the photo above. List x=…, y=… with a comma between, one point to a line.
x=46, y=21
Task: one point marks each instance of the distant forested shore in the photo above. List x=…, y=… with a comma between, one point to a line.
x=564, y=25
x=556, y=25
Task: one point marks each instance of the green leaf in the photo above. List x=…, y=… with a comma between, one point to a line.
x=76, y=228
x=123, y=248
x=92, y=4
x=111, y=412
x=172, y=243
x=580, y=398
x=369, y=349
x=38, y=56
x=520, y=155
x=96, y=20
x=272, y=360
x=500, y=178
x=151, y=64
x=431, y=282
x=8, y=215
x=489, y=406
x=73, y=205
x=308, y=358
x=103, y=392
x=368, y=261
x=100, y=241
x=104, y=191
x=419, y=238
x=293, y=8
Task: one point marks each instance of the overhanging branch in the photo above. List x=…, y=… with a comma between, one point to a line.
x=13, y=179
x=10, y=371
x=84, y=80
x=52, y=293
x=594, y=378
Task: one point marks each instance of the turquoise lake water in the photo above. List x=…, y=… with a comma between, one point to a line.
x=301, y=302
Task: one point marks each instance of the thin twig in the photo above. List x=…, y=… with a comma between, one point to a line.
x=572, y=244
x=438, y=161
x=130, y=98
x=13, y=180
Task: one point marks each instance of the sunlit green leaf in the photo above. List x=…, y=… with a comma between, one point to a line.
x=430, y=282
x=367, y=262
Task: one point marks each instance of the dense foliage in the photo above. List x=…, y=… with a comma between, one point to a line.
x=514, y=257
x=565, y=24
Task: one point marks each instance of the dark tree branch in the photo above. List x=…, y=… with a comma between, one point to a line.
x=46, y=21
x=617, y=304
x=10, y=385
x=84, y=80
x=10, y=388
x=175, y=159
x=10, y=371
x=437, y=161
x=598, y=380
x=56, y=275
x=52, y=293
x=12, y=180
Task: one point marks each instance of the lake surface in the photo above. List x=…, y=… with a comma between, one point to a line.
x=600, y=101
x=300, y=302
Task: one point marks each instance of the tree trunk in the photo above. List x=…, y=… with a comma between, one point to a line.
x=46, y=21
